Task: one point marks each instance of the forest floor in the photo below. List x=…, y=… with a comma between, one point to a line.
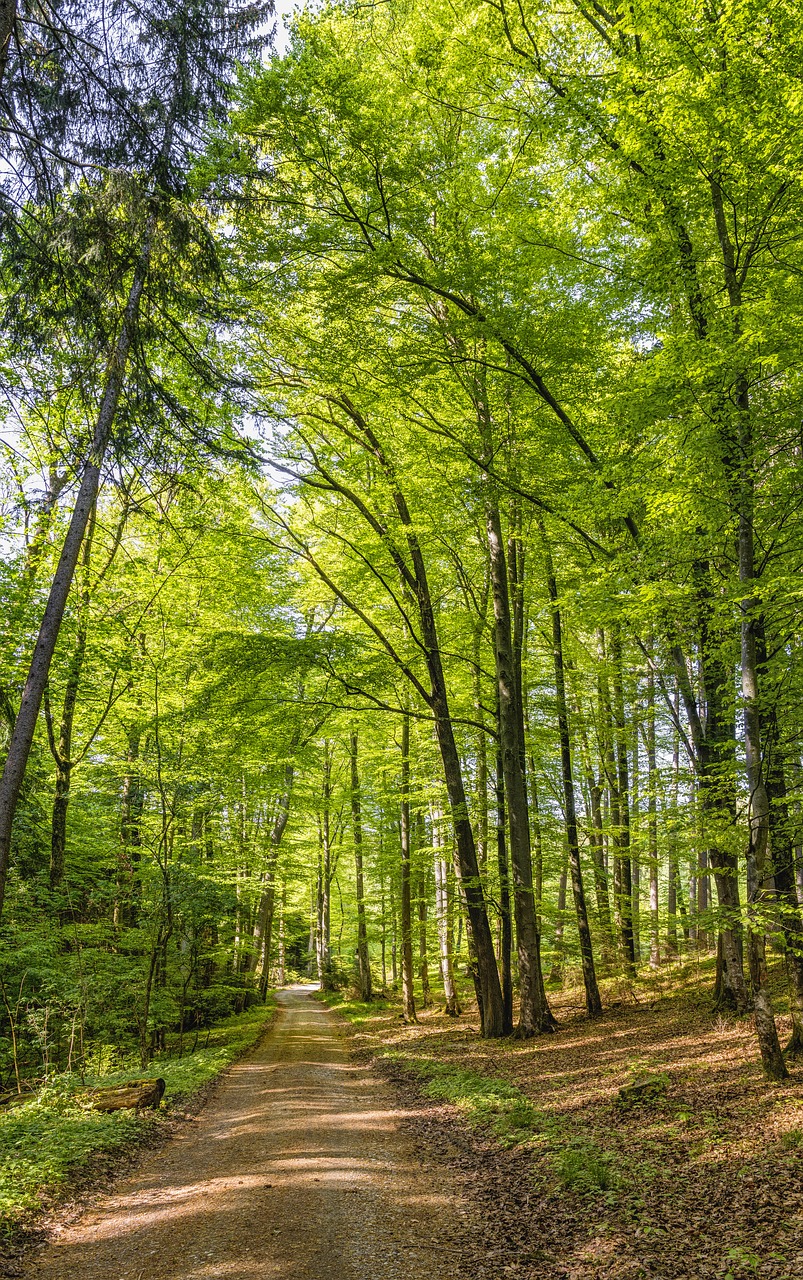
x=706, y=1181
x=54, y=1148
x=422, y=1152
x=303, y=1165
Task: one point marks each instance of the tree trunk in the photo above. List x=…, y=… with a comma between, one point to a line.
x=443, y=918
x=408, y=997
x=491, y=1012
x=423, y=942
x=259, y=956
x=758, y=804
x=363, y=960
x=593, y=1002
x=635, y=835
x=323, y=948
x=652, y=824
x=62, y=749
x=534, y=1015
x=505, y=922
x=538, y=844
x=781, y=830
x=596, y=843
x=556, y=972
x=623, y=879
x=25, y=724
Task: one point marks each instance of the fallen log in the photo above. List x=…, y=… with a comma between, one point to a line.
x=16, y=1099
x=132, y=1093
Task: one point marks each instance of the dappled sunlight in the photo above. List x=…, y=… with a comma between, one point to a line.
x=290, y=1174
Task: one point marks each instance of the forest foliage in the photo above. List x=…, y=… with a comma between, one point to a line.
x=401, y=492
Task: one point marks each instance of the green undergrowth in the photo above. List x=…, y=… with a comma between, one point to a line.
x=503, y=1110
x=55, y=1137
x=484, y=1101
x=495, y=1106
x=357, y=1012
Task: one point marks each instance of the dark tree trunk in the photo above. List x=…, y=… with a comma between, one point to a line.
x=535, y=1015
x=62, y=748
x=623, y=879
x=505, y=922
x=363, y=961
x=408, y=997
x=25, y=724
x=593, y=1002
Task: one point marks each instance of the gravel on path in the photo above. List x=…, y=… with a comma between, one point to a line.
x=299, y=1168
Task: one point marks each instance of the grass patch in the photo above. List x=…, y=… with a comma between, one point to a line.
x=51, y=1138
x=484, y=1101
x=357, y=1011
x=585, y=1169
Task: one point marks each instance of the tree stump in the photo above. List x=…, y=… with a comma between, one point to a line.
x=647, y=1090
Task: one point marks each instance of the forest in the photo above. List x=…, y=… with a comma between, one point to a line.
x=400, y=534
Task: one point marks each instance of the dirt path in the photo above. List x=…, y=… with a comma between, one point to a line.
x=297, y=1169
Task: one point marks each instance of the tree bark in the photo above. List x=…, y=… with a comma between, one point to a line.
x=505, y=922
x=652, y=825
x=408, y=996
x=592, y=996
x=534, y=1012
x=363, y=960
x=259, y=956
x=443, y=918
x=491, y=1012
x=25, y=724
x=623, y=880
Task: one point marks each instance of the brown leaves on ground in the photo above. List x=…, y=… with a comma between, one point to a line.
x=704, y=1183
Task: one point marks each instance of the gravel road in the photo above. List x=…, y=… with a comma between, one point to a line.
x=297, y=1168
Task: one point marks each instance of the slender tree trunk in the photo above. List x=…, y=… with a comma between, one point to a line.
x=538, y=844
x=324, y=888
x=263, y=926
x=443, y=918
x=281, y=962
x=482, y=761
x=505, y=921
x=781, y=828
x=635, y=834
x=652, y=825
x=408, y=997
x=363, y=961
x=423, y=941
x=596, y=843
x=25, y=724
x=62, y=748
x=623, y=868
x=758, y=810
x=535, y=1015
x=593, y=1002
x=489, y=989
x=556, y=971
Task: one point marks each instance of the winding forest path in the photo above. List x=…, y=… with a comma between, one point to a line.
x=297, y=1168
